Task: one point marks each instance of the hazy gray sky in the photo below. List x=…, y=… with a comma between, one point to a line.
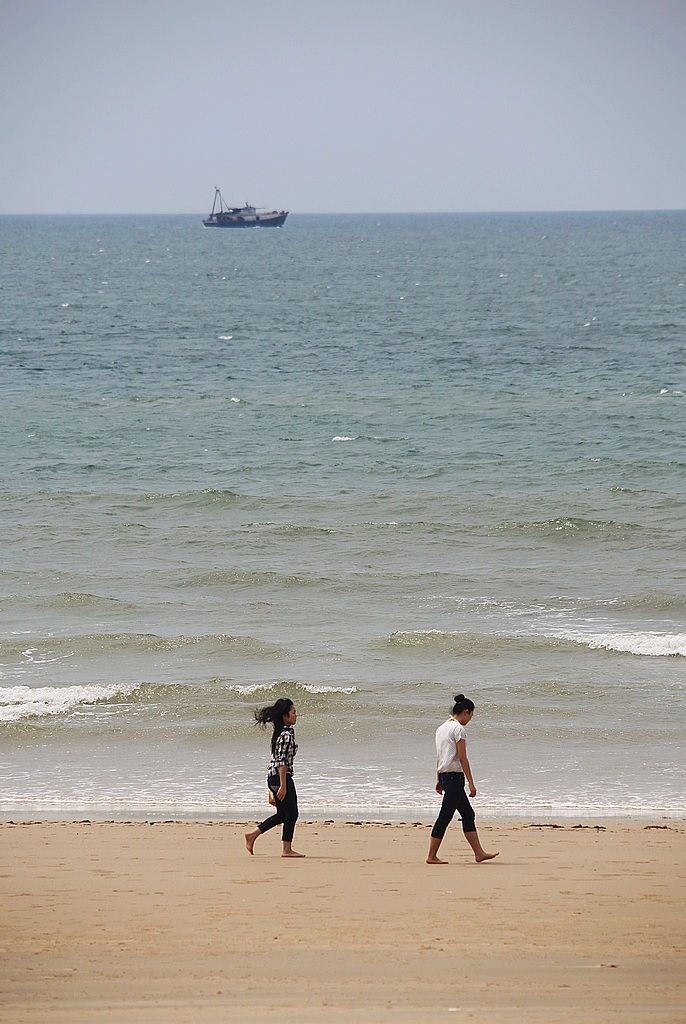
x=142, y=106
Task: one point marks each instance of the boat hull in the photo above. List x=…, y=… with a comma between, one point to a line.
x=237, y=220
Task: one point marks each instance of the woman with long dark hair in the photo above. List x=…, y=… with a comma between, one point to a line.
x=282, y=716
x=453, y=769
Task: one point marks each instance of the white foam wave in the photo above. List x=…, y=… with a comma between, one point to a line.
x=343, y=437
x=367, y=804
x=20, y=702
x=655, y=645
x=310, y=688
x=246, y=689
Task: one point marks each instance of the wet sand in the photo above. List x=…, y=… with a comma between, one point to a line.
x=174, y=923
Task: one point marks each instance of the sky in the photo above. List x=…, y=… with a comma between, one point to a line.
x=342, y=106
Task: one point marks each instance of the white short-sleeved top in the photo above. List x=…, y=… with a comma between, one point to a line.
x=447, y=737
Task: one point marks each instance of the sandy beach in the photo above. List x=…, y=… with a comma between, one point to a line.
x=175, y=922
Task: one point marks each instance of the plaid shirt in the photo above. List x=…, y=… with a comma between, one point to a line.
x=284, y=751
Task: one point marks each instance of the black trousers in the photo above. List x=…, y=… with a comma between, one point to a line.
x=454, y=799
x=286, y=809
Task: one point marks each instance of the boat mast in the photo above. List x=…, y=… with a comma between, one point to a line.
x=217, y=195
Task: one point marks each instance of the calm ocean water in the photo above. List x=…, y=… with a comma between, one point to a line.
x=365, y=462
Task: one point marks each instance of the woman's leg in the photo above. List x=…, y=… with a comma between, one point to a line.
x=289, y=806
x=479, y=852
x=432, y=856
x=270, y=822
x=286, y=815
x=466, y=812
x=445, y=816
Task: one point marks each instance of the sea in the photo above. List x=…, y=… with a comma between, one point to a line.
x=365, y=462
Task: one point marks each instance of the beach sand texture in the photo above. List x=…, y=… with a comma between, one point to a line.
x=173, y=922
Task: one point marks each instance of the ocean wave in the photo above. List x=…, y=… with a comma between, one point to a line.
x=571, y=526
x=21, y=702
x=72, y=599
x=123, y=501
x=650, y=644
x=167, y=701
x=249, y=689
x=231, y=577
x=460, y=642
x=657, y=601
x=301, y=529
x=644, y=644
x=42, y=648
x=205, y=498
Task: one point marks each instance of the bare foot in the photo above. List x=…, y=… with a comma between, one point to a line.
x=485, y=856
x=292, y=853
x=435, y=860
x=250, y=838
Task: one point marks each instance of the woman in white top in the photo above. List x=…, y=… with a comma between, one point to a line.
x=453, y=769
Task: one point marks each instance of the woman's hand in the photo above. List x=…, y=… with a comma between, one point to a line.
x=281, y=791
x=466, y=767
x=439, y=787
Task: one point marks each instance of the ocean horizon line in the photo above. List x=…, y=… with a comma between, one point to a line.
x=363, y=213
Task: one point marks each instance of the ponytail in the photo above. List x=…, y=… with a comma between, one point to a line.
x=462, y=703
x=274, y=714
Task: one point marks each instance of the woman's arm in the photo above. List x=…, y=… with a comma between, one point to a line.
x=466, y=768
x=284, y=742
x=281, y=792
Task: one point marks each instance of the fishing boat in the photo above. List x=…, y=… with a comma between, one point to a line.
x=225, y=216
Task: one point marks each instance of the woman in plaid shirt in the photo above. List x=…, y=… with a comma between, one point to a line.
x=283, y=717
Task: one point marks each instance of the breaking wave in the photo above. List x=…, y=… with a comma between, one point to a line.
x=22, y=702
x=649, y=644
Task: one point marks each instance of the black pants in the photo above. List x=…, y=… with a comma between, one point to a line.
x=286, y=809
x=454, y=799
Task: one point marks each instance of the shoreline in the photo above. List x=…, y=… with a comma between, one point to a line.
x=350, y=816
x=516, y=821
x=167, y=922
